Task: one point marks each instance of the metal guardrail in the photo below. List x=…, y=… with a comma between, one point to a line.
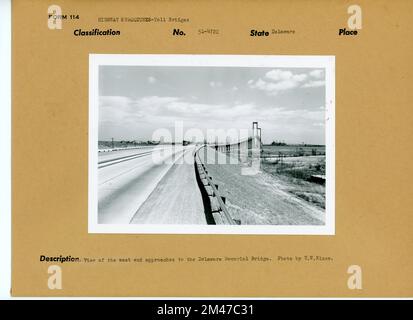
x=218, y=207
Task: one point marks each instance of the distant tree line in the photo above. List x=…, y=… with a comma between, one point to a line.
x=283, y=143
x=278, y=143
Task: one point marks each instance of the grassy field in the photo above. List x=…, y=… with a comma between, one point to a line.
x=292, y=150
x=296, y=167
x=121, y=144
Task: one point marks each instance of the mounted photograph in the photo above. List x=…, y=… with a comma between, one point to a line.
x=211, y=144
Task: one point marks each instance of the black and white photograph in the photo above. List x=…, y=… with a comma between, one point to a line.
x=211, y=144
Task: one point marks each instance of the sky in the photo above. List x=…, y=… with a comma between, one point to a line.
x=145, y=102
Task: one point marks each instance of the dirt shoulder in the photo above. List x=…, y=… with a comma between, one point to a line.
x=262, y=198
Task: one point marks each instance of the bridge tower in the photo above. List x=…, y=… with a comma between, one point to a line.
x=254, y=151
x=256, y=135
x=254, y=129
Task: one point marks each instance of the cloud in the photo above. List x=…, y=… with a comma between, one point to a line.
x=155, y=108
x=278, y=80
x=319, y=124
x=318, y=74
x=314, y=84
x=117, y=109
x=287, y=115
x=215, y=84
x=273, y=87
x=281, y=75
x=154, y=101
x=138, y=118
x=152, y=80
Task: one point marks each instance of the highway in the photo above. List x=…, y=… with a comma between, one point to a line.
x=127, y=178
x=158, y=185
x=176, y=198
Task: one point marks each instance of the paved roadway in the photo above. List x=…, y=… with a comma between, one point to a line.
x=157, y=177
x=176, y=199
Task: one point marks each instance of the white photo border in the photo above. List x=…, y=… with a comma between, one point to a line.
x=275, y=61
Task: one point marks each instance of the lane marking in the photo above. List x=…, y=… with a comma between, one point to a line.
x=134, y=167
x=112, y=162
x=124, y=157
x=122, y=173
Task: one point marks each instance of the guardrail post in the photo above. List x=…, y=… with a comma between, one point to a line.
x=217, y=206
